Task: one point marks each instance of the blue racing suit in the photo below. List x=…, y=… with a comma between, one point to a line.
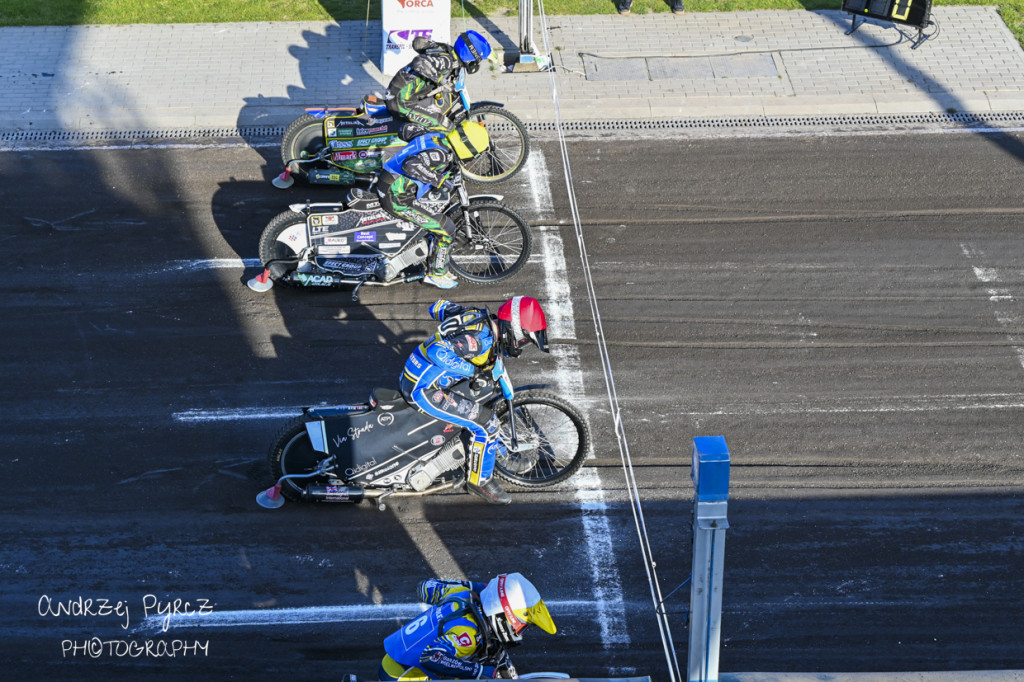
x=414, y=170
x=449, y=641
x=442, y=361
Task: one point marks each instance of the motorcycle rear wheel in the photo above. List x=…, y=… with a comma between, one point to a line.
x=293, y=453
x=554, y=439
x=509, y=148
x=498, y=248
x=271, y=249
x=303, y=139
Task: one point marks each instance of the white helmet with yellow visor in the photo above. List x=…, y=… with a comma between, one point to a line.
x=511, y=602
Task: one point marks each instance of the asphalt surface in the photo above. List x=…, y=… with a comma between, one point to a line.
x=844, y=309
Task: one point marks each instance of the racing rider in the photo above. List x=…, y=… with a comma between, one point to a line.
x=467, y=633
x=426, y=163
x=417, y=92
x=466, y=344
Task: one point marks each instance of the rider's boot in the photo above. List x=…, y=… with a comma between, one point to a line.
x=439, y=275
x=489, y=490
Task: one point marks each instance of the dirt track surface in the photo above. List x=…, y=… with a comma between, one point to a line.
x=847, y=311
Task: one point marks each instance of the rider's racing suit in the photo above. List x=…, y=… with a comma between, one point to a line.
x=408, y=176
x=449, y=641
x=442, y=361
x=413, y=91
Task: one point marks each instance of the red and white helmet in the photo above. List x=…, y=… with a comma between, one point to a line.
x=521, y=320
x=511, y=602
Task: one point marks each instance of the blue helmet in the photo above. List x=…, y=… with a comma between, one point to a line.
x=471, y=48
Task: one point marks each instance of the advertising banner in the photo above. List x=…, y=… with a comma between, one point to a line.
x=403, y=20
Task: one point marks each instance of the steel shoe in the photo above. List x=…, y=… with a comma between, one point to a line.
x=445, y=281
x=489, y=491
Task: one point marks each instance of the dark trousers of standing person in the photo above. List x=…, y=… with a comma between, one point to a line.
x=677, y=6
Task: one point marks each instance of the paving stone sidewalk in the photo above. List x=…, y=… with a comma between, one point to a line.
x=609, y=67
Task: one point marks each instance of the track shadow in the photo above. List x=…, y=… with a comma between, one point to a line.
x=924, y=81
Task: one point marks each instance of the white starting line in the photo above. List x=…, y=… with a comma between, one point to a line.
x=359, y=613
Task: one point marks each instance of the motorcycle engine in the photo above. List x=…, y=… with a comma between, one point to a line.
x=451, y=455
x=413, y=255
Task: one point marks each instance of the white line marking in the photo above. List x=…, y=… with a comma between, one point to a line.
x=231, y=414
x=540, y=184
x=569, y=377
x=998, y=295
x=210, y=264
x=360, y=613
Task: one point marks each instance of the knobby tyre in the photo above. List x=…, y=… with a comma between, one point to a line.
x=303, y=139
x=509, y=148
x=279, y=256
x=491, y=243
x=554, y=439
x=293, y=453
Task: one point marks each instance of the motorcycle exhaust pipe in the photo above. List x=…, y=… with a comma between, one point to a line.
x=333, y=493
x=353, y=494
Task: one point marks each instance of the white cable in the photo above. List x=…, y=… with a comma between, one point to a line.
x=620, y=434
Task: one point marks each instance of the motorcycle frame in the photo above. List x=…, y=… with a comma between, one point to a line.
x=465, y=203
x=459, y=86
x=329, y=463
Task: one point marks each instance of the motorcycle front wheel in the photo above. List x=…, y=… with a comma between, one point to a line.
x=278, y=255
x=553, y=437
x=303, y=139
x=293, y=453
x=508, y=149
x=491, y=243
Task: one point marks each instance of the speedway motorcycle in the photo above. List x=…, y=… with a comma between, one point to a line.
x=344, y=146
x=387, y=448
x=357, y=242
x=541, y=677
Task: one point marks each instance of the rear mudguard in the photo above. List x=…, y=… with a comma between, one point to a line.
x=315, y=427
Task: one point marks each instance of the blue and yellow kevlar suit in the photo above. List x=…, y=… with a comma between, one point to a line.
x=449, y=641
x=441, y=362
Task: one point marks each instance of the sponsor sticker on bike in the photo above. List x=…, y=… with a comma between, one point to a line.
x=437, y=440
x=328, y=219
x=342, y=144
x=365, y=236
x=345, y=156
x=315, y=280
x=389, y=245
x=371, y=131
x=334, y=241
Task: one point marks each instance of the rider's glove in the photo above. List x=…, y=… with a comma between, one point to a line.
x=450, y=326
x=503, y=667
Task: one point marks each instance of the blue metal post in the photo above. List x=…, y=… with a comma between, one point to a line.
x=710, y=474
